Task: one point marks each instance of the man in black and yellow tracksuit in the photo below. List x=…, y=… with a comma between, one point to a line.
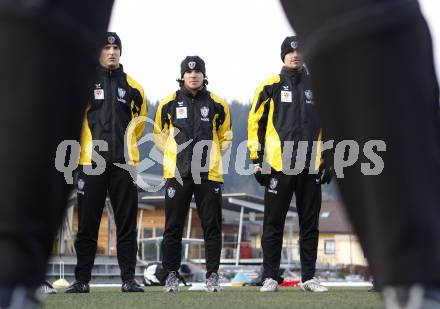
x=115, y=100
x=192, y=127
x=281, y=118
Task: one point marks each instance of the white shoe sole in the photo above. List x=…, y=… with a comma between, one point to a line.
x=310, y=291
x=269, y=291
x=216, y=290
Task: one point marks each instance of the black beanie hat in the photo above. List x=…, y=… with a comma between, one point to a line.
x=192, y=63
x=112, y=38
x=290, y=43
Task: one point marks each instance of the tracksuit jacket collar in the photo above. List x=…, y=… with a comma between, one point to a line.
x=199, y=93
x=293, y=74
x=111, y=73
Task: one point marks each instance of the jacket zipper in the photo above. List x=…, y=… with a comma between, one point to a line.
x=194, y=117
x=113, y=109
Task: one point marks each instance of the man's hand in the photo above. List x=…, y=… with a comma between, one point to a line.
x=262, y=179
x=324, y=175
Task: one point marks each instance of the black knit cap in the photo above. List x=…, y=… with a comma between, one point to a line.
x=112, y=38
x=192, y=63
x=290, y=43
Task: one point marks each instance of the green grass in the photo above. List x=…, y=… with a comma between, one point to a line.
x=230, y=298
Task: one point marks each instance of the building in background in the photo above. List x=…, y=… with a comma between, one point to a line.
x=242, y=229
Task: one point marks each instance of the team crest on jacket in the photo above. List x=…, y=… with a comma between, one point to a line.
x=171, y=192
x=121, y=95
x=309, y=96
x=121, y=92
x=192, y=65
x=204, y=111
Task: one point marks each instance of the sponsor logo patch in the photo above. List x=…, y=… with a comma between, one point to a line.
x=99, y=94
x=286, y=96
x=181, y=112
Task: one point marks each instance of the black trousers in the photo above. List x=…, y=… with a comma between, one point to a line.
x=366, y=88
x=92, y=192
x=277, y=198
x=42, y=103
x=208, y=197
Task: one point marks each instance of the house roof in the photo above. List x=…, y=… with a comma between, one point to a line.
x=333, y=218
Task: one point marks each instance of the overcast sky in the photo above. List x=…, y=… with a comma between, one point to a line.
x=238, y=39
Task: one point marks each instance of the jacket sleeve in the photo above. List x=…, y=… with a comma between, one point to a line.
x=324, y=158
x=224, y=125
x=139, y=106
x=144, y=113
x=257, y=120
x=162, y=123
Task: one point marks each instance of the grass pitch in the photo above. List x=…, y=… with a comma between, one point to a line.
x=230, y=298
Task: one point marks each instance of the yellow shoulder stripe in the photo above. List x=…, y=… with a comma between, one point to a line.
x=135, y=84
x=220, y=100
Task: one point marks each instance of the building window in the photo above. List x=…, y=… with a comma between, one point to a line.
x=329, y=247
x=159, y=232
x=148, y=232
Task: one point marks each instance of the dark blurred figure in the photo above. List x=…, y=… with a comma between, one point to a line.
x=373, y=72
x=48, y=59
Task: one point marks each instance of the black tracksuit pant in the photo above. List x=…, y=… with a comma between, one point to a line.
x=208, y=197
x=41, y=105
x=92, y=192
x=277, y=198
x=365, y=88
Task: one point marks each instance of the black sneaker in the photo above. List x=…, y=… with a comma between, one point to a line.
x=131, y=286
x=78, y=287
